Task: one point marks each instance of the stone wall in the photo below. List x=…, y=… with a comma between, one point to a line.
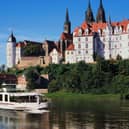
x=26, y=62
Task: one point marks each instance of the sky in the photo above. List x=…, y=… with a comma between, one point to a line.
x=38, y=20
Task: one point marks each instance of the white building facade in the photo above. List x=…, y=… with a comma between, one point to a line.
x=70, y=55
x=106, y=40
x=56, y=56
x=11, y=51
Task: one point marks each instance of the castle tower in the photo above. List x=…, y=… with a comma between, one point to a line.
x=89, y=17
x=11, y=51
x=101, y=14
x=67, y=24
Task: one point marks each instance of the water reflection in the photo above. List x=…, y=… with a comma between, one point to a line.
x=71, y=115
x=90, y=115
x=21, y=120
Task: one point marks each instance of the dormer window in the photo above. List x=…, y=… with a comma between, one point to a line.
x=128, y=28
x=120, y=29
x=99, y=31
x=80, y=32
x=74, y=33
x=116, y=30
x=87, y=31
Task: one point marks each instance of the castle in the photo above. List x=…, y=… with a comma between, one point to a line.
x=93, y=38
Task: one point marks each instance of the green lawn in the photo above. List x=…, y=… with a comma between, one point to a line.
x=71, y=96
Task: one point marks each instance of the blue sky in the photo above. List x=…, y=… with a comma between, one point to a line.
x=43, y=19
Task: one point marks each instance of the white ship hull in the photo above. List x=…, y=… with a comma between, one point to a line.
x=23, y=106
x=22, y=101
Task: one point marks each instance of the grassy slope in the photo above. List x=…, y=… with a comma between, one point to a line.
x=71, y=96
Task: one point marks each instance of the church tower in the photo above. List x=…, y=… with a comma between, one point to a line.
x=101, y=14
x=89, y=17
x=11, y=51
x=67, y=24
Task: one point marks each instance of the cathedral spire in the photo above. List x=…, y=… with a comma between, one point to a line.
x=89, y=5
x=101, y=13
x=101, y=4
x=67, y=16
x=67, y=24
x=109, y=23
x=89, y=17
x=109, y=20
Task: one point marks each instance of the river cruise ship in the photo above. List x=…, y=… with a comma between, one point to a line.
x=22, y=101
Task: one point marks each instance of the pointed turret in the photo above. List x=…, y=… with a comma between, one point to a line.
x=11, y=38
x=67, y=24
x=11, y=51
x=101, y=13
x=109, y=20
x=67, y=16
x=89, y=17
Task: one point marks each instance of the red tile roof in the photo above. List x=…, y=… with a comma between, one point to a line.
x=8, y=78
x=65, y=36
x=70, y=47
x=94, y=27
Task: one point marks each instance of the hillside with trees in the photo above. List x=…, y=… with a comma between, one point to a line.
x=102, y=77
x=99, y=78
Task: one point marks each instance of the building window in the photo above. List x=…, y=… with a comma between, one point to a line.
x=86, y=39
x=79, y=52
x=79, y=39
x=86, y=45
x=103, y=45
x=86, y=52
x=79, y=45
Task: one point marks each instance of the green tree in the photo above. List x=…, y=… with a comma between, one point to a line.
x=32, y=76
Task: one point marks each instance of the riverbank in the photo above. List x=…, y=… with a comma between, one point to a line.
x=74, y=96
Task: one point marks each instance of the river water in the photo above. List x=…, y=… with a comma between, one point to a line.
x=73, y=114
